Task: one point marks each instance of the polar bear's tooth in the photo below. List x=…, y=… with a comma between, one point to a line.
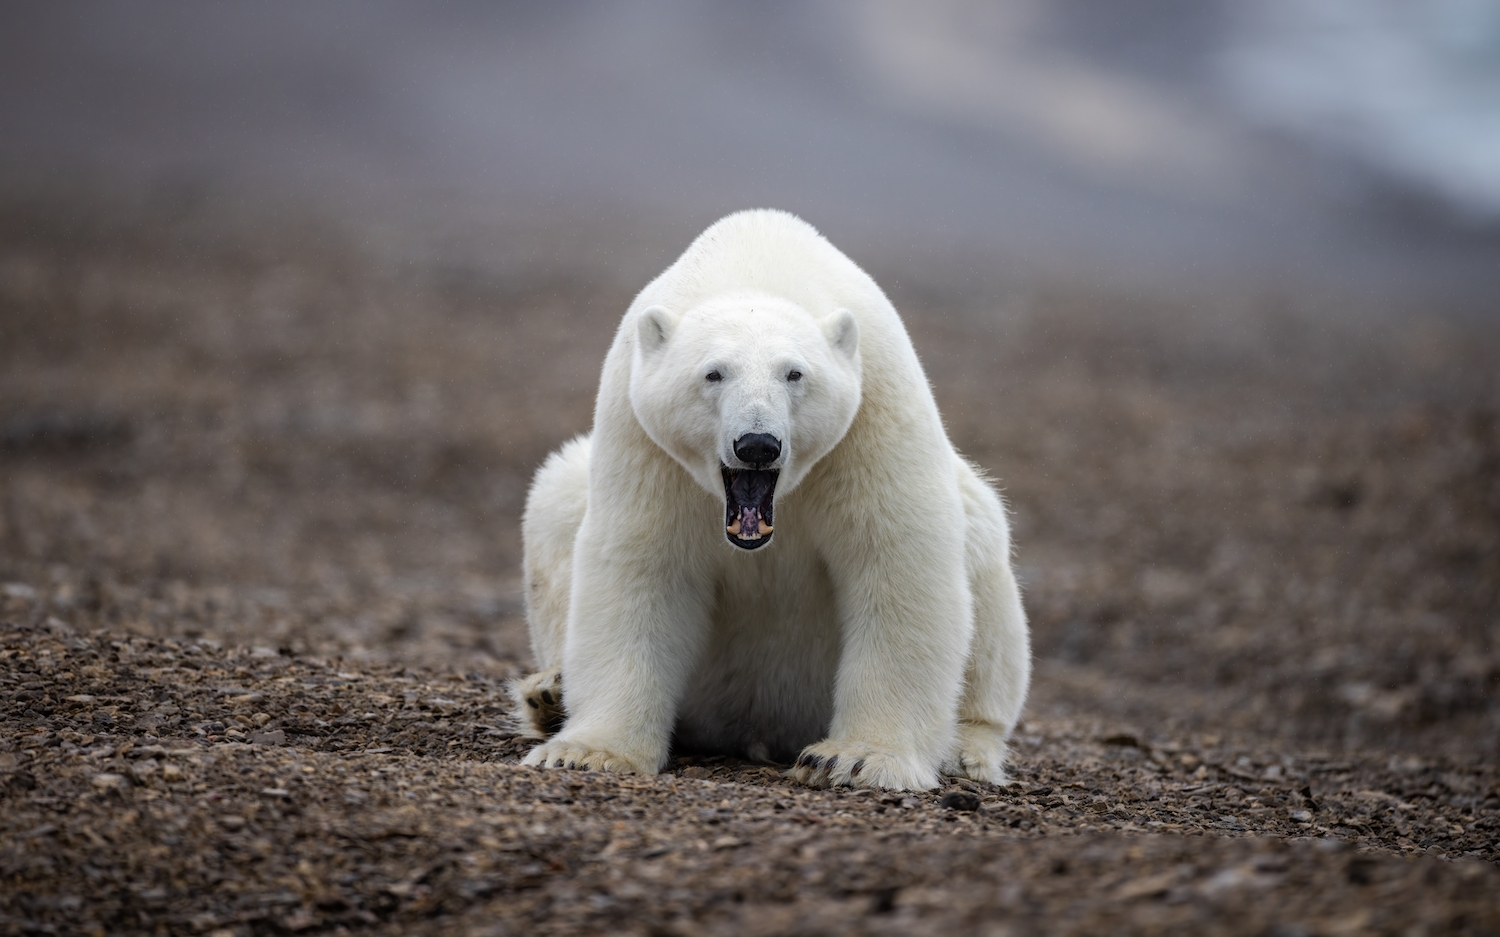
x=735, y=527
x=765, y=528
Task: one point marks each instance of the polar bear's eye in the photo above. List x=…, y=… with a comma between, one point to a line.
x=794, y=376
x=714, y=376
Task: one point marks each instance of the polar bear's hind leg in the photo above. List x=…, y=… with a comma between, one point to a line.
x=537, y=705
x=554, y=510
x=999, y=668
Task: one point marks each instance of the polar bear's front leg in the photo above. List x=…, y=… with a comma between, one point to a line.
x=635, y=628
x=907, y=622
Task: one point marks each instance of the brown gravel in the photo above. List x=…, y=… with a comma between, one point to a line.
x=258, y=556
x=165, y=785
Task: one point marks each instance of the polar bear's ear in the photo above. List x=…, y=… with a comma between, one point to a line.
x=654, y=327
x=843, y=332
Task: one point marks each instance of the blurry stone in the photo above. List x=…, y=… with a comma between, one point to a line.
x=1146, y=887
x=110, y=782
x=965, y=801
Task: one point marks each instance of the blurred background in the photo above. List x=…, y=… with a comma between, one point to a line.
x=1313, y=141
x=293, y=298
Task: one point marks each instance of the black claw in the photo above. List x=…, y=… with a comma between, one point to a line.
x=817, y=761
x=532, y=703
x=832, y=760
x=805, y=761
x=572, y=765
x=858, y=767
x=547, y=697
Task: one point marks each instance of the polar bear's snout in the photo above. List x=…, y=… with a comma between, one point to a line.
x=748, y=506
x=758, y=449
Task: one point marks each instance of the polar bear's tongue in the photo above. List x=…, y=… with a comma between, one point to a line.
x=748, y=504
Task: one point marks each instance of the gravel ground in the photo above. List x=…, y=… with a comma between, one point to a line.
x=259, y=498
x=174, y=786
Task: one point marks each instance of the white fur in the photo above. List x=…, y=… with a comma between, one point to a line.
x=880, y=633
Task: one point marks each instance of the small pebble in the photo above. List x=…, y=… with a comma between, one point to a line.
x=960, y=800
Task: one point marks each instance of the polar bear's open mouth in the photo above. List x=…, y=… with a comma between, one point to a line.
x=748, y=505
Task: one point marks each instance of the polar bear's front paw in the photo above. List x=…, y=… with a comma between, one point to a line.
x=537, y=704
x=851, y=763
x=564, y=754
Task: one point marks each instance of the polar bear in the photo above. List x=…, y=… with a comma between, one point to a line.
x=768, y=547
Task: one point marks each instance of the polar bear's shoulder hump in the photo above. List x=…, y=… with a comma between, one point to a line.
x=764, y=250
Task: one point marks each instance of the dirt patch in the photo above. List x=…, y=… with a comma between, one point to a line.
x=155, y=784
x=259, y=548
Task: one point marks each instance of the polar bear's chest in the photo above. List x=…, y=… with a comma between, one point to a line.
x=763, y=687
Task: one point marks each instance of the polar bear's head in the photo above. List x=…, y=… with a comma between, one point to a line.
x=747, y=392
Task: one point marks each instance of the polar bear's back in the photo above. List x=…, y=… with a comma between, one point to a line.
x=766, y=250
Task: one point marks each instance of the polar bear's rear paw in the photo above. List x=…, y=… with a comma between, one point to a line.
x=979, y=755
x=850, y=763
x=537, y=704
x=563, y=754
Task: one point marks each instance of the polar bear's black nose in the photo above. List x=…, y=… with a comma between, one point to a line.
x=757, y=448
